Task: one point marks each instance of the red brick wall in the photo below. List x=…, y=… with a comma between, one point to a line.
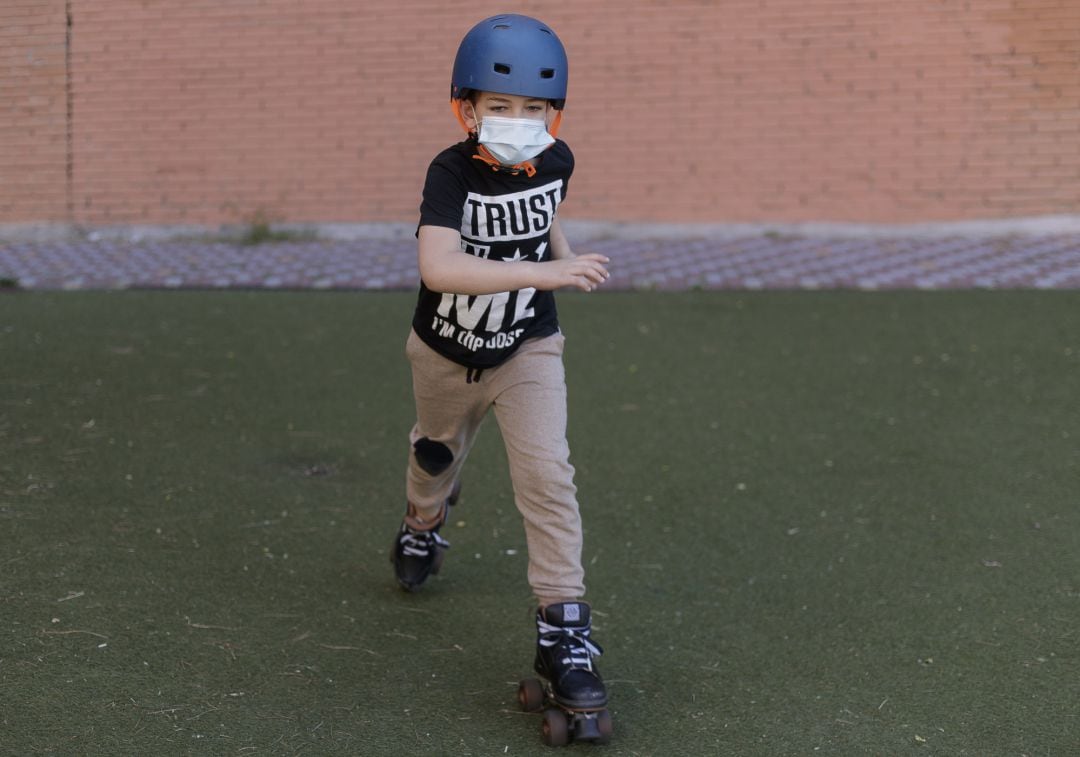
x=33, y=111
x=212, y=111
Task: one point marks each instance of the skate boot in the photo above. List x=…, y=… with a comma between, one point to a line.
x=575, y=696
x=418, y=554
x=564, y=656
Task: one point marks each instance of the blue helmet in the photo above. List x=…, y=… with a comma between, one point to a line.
x=511, y=55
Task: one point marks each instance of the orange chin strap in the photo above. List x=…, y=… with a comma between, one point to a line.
x=484, y=156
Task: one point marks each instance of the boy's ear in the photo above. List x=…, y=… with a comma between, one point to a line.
x=458, y=107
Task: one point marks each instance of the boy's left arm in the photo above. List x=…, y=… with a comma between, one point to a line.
x=560, y=247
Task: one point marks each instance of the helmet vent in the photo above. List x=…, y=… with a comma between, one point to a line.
x=500, y=27
x=502, y=68
x=547, y=73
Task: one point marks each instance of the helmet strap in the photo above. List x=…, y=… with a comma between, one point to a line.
x=553, y=130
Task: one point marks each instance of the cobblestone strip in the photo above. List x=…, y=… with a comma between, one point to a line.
x=740, y=263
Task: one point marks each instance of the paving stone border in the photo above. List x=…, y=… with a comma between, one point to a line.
x=652, y=257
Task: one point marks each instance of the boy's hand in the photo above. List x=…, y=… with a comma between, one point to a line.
x=585, y=272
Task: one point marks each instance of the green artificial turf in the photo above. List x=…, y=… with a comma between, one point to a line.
x=816, y=523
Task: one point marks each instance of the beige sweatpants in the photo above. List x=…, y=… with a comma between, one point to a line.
x=528, y=393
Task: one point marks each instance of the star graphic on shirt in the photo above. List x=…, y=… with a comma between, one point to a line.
x=518, y=256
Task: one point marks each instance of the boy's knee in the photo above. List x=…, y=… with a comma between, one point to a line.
x=432, y=457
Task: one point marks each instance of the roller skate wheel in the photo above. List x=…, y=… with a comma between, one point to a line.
x=605, y=725
x=531, y=695
x=555, y=728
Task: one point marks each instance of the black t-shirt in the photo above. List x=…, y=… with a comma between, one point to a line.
x=501, y=217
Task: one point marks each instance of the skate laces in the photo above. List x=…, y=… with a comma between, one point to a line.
x=420, y=543
x=579, y=648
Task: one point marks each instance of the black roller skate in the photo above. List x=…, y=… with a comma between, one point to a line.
x=573, y=696
x=418, y=554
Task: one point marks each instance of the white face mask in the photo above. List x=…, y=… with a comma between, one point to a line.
x=514, y=140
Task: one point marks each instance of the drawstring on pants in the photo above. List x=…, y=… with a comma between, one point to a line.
x=472, y=375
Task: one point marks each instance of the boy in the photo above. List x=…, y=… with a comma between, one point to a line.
x=485, y=331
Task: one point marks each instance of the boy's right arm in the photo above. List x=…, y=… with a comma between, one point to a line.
x=445, y=268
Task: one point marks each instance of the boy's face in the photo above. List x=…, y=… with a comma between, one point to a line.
x=506, y=106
